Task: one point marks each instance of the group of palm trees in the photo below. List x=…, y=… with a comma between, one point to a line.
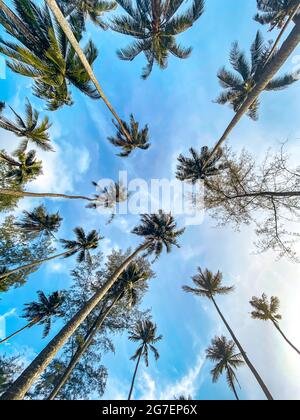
x=44, y=45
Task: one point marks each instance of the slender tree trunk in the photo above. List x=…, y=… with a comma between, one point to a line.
x=33, y=264
x=285, y=337
x=75, y=44
x=271, y=69
x=234, y=390
x=29, y=325
x=81, y=350
x=45, y=195
x=21, y=386
x=250, y=365
x=134, y=376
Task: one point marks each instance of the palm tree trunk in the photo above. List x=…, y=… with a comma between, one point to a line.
x=271, y=69
x=81, y=350
x=134, y=376
x=33, y=264
x=29, y=325
x=234, y=390
x=250, y=365
x=18, y=389
x=286, y=339
x=39, y=195
x=75, y=44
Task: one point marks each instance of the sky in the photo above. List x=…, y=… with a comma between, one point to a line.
x=177, y=103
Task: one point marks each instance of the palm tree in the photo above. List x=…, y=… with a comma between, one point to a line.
x=41, y=312
x=29, y=128
x=223, y=353
x=159, y=231
x=82, y=10
x=39, y=221
x=50, y=60
x=192, y=169
x=23, y=167
x=209, y=285
x=82, y=246
x=144, y=332
x=155, y=24
x=266, y=310
x=239, y=85
x=128, y=287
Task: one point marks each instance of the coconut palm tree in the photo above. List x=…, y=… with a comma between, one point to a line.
x=155, y=24
x=160, y=231
x=139, y=139
x=29, y=128
x=210, y=285
x=266, y=310
x=39, y=221
x=23, y=166
x=82, y=10
x=54, y=70
x=82, y=246
x=41, y=312
x=223, y=353
x=275, y=13
x=240, y=84
x=191, y=169
x=144, y=332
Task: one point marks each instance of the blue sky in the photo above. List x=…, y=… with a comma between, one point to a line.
x=177, y=103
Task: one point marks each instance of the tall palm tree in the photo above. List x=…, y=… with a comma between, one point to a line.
x=209, y=285
x=160, y=231
x=155, y=24
x=128, y=287
x=41, y=312
x=82, y=246
x=50, y=60
x=139, y=139
x=29, y=128
x=240, y=84
x=144, y=332
x=223, y=353
x=266, y=310
x=82, y=10
x=39, y=221
x=191, y=169
x=23, y=167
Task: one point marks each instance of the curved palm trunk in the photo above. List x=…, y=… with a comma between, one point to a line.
x=272, y=68
x=81, y=350
x=29, y=325
x=250, y=365
x=234, y=390
x=134, y=376
x=75, y=44
x=45, y=195
x=285, y=337
x=33, y=264
x=22, y=385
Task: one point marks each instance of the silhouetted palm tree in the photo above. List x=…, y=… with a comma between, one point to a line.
x=41, y=312
x=23, y=167
x=155, y=24
x=139, y=139
x=144, y=332
x=209, y=285
x=266, y=310
x=275, y=12
x=224, y=354
x=29, y=128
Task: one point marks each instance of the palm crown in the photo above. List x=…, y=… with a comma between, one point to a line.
x=199, y=166
x=275, y=12
x=239, y=85
x=145, y=332
x=154, y=25
x=208, y=284
x=23, y=167
x=139, y=139
x=132, y=281
x=82, y=245
x=266, y=310
x=44, y=53
x=29, y=128
x=159, y=231
x=39, y=221
x=44, y=310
